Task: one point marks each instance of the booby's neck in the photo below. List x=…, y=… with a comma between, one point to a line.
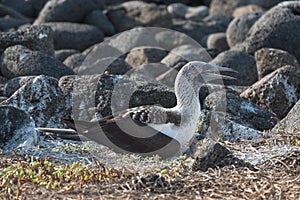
x=187, y=94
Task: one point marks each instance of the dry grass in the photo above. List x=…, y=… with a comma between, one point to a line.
x=276, y=159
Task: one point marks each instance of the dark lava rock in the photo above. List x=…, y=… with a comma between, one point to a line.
x=185, y=53
x=168, y=78
x=137, y=13
x=98, y=19
x=106, y=93
x=37, y=5
x=238, y=28
x=43, y=100
x=21, y=61
x=69, y=35
x=62, y=54
x=15, y=83
x=110, y=65
x=144, y=55
x=17, y=129
x=213, y=155
x=278, y=28
x=36, y=38
x=74, y=60
x=240, y=110
x=197, y=30
x=218, y=41
x=11, y=23
x=243, y=63
x=269, y=59
x=277, y=92
x=148, y=72
x=291, y=123
x=67, y=10
x=22, y=6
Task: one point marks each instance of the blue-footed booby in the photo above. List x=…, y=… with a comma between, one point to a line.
x=152, y=129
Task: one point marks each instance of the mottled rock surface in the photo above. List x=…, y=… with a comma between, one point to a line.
x=37, y=38
x=291, y=123
x=15, y=83
x=43, y=100
x=269, y=59
x=277, y=92
x=278, y=28
x=21, y=61
x=17, y=129
x=238, y=28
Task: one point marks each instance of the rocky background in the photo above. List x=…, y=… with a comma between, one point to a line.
x=44, y=44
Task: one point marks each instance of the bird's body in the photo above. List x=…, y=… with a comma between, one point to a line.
x=152, y=129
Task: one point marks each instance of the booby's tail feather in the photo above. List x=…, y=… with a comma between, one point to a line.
x=68, y=134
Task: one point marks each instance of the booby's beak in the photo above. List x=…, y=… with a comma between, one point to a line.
x=214, y=73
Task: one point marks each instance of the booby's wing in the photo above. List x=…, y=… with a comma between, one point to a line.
x=130, y=131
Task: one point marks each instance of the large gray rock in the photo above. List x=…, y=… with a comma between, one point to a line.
x=42, y=99
x=186, y=53
x=243, y=63
x=197, y=30
x=214, y=155
x=110, y=65
x=144, y=55
x=182, y=11
x=137, y=13
x=277, y=92
x=277, y=28
x=67, y=10
x=21, y=61
x=217, y=41
x=238, y=28
x=62, y=54
x=22, y=6
x=10, y=23
x=69, y=35
x=37, y=38
x=74, y=60
x=240, y=110
x=17, y=129
x=269, y=59
x=98, y=19
x=102, y=95
x=291, y=122
x=15, y=83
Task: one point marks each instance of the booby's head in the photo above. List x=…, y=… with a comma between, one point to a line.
x=198, y=72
